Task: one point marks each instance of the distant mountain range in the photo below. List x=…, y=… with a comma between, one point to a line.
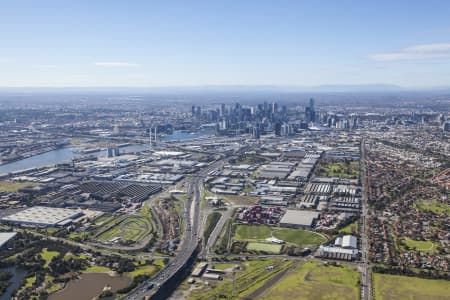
x=328, y=88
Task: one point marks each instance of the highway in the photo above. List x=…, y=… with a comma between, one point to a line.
x=365, y=267
x=190, y=239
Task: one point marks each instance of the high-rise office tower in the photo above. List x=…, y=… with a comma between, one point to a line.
x=310, y=111
x=311, y=103
x=274, y=107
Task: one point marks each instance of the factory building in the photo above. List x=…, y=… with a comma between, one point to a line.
x=43, y=216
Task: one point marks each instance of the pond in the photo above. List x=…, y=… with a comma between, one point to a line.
x=90, y=285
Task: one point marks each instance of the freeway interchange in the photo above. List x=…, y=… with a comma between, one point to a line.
x=190, y=243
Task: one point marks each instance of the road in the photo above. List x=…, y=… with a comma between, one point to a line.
x=226, y=215
x=365, y=267
x=84, y=246
x=190, y=239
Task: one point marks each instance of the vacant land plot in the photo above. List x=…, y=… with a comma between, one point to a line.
x=265, y=247
x=350, y=228
x=251, y=276
x=132, y=228
x=313, y=280
x=404, y=287
x=293, y=236
x=344, y=169
x=10, y=186
x=241, y=200
x=144, y=270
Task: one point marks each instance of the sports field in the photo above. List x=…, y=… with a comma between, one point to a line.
x=422, y=246
x=259, y=233
x=433, y=205
x=132, y=228
x=266, y=247
x=313, y=280
x=403, y=287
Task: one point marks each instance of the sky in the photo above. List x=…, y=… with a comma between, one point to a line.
x=164, y=43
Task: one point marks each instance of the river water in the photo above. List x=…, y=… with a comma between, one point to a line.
x=18, y=275
x=67, y=154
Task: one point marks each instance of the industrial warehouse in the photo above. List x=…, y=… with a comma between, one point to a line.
x=42, y=216
x=299, y=218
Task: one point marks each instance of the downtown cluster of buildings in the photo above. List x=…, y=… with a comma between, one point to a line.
x=267, y=118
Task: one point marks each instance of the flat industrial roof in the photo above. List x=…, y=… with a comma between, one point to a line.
x=299, y=217
x=42, y=215
x=6, y=236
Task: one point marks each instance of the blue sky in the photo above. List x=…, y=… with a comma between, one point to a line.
x=191, y=43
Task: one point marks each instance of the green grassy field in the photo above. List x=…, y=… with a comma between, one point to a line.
x=147, y=270
x=313, y=280
x=69, y=255
x=223, y=266
x=29, y=281
x=81, y=235
x=48, y=256
x=403, y=287
x=350, y=228
x=294, y=236
x=422, y=246
x=252, y=275
x=104, y=218
x=12, y=186
x=54, y=288
x=256, y=232
x=97, y=269
x=272, y=248
x=211, y=223
x=250, y=159
x=433, y=205
x=133, y=228
x=338, y=169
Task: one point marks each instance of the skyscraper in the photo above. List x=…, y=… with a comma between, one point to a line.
x=310, y=111
x=274, y=107
x=311, y=103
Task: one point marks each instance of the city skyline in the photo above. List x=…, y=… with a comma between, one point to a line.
x=291, y=43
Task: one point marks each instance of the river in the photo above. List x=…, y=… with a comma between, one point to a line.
x=18, y=275
x=63, y=155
